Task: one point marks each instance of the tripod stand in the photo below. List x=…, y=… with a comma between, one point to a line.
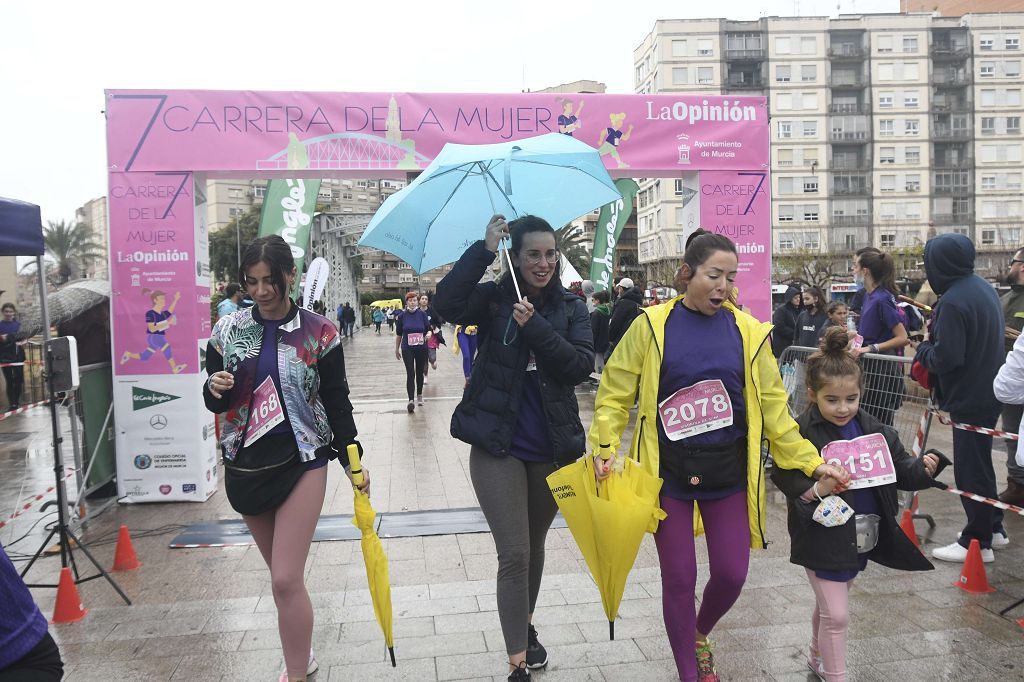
x=65, y=535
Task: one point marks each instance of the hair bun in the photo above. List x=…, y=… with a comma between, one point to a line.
x=835, y=341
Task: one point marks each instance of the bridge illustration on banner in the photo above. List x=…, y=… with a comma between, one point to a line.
x=352, y=151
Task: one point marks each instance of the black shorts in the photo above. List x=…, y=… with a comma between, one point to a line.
x=41, y=664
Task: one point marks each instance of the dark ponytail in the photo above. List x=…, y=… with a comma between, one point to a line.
x=832, y=360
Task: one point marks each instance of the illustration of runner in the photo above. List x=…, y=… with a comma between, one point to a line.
x=569, y=122
x=158, y=321
x=611, y=138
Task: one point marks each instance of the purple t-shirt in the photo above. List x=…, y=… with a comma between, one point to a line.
x=412, y=322
x=699, y=347
x=530, y=440
x=266, y=366
x=154, y=318
x=878, y=316
x=863, y=503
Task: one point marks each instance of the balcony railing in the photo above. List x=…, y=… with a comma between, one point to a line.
x=751, y=55
x=952, y=218
x=851, y=220
x=951, y=50
x=847, y=51
x=848, y=135
x=858, y=190
x=844, y=81
x=953, y=190
x=962, y=162
x=850, y=164
x=939, y=133
x=744, y=84
x=946, y=78
x=951, y=107
x=849, y=108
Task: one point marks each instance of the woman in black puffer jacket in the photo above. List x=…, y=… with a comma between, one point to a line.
x=519, y=412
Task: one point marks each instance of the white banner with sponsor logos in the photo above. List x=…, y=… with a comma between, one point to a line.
x=161, y=454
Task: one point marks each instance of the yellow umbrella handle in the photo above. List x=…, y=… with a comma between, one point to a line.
x=604, y=435
x=357, y=467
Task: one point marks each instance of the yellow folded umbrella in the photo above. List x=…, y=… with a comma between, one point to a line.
x=373, y=555
x=608, y=521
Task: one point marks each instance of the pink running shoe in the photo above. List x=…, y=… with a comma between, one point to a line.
x=706, y=663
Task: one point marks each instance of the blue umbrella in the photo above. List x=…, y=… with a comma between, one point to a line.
x=442, y=212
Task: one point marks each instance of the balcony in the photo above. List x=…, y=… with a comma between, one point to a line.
x=739, y=82
x=850, y=164
x=849, y=108
x=941, y=133
x=961, y=162
x=951, y=107
x=950, y=51
x=953, y=190
x=952, y=218
x=851, y=220
x=754, y=55
x=848, y=136
x=847, y=51
x=850, y=184
x=946, y=78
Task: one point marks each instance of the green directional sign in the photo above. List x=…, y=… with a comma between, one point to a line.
x=143, y=398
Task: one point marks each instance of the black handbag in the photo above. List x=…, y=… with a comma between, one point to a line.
x=707, y=467
x=257, y=482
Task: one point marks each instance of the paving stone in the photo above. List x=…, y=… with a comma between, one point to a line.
x=550, y=635
x=412, y=669
x=161, y=668
x=166, y=627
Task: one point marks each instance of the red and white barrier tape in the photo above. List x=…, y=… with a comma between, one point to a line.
x=23, y=408
x=35, y=498
x=918, y=446
x=995, y=433
x=985, y=500
x=21, y=364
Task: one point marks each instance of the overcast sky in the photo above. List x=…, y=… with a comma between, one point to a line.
x=56, y=60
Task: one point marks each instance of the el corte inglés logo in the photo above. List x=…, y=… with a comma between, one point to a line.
x=143, y=398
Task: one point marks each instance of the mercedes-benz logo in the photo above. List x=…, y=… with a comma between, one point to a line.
x=158, y=421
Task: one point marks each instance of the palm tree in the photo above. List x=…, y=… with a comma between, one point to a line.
x=570, y=243
x=69, y=244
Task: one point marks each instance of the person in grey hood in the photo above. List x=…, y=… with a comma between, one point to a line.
x=963, y=353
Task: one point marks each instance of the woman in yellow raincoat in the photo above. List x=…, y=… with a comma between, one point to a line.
x=709, y=394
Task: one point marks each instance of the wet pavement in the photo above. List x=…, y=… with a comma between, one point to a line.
x=208, y=613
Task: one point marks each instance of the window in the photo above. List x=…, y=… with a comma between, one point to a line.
x=910, y=43
x=886, y=72
x=911, y=126
x=885, y=127
x=887, y=240
x=678, y=48
x=887, y=211
x=910, y=71
x=782, y=74
x=1013, y=125
x=988, y=98
x=913, y=182
x=782, y=46
x=1013, y=181
x=886, y=155
x=1012, y=42
x=784, y=157
x=988, y=69
x=810, y=155
x=704, y=47
x=809, y=72
x=885, y=101
x=785, y=185
x=680, y=215
x=1012, y=98
x=885, y=44
x=913, y=211
x=986, y=42
x=259, y=191
x=705, y=75
x=810, y=212
x=808, y=45
x=887, y=183
x=784, y=101
x=810, y=128
x=346, y=195
x=785, y=129
x=1011, y=69
x=810, y=185
x=912, y=156
x=235, y=211
x=678, y=191
x=988, y=125
x=988, y=182
x=988, y=237
x=812, y=240
x=787, y=241
x=910, y=100
x=786, y=213
x=679, y=76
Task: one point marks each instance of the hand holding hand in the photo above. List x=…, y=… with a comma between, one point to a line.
x=841, y=475
x=826, y=485
x=220, y=383
x=522, y=312
x=497, y=229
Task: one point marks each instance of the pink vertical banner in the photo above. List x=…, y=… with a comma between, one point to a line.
x=737, y=204
x=153, y=273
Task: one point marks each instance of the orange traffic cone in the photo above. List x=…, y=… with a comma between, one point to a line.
x=907, y=526
x=68, y=607
x=124, y=555
x=972, y=577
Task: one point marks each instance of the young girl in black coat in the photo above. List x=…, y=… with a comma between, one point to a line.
x=879, y=464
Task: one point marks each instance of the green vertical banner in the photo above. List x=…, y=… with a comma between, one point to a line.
x=288, y=212
x=609, y=226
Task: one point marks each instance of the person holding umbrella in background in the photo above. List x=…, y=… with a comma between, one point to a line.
x=519, y=412
x=698, y=352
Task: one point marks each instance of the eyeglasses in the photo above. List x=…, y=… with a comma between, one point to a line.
x=535, y=257
x=1015, y=260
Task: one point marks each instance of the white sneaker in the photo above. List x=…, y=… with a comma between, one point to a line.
x=1000, y=540
x=419, y=400
x=311, y=668
x=957, y=553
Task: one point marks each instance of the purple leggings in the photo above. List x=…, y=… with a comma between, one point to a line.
x=467, y=346
x=728, y=537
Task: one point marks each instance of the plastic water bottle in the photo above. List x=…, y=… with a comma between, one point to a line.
x=851, y=323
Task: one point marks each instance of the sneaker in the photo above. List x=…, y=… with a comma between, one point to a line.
x=1000, y=540
x=519, y=674
x=424, y=380
x=311, y=668
x=957, y=553
x=411, y=407
x=419, y=399
x=706, y=662
x=815, y=666
x=536, y=654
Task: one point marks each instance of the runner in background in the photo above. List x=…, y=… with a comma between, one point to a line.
x=378, y=318
x=10, y=352
x=411, y=331
x=709, y=394
x=466, y=345
x=436, y=337
x=232, y=300
x=834, y=556
x=278, y=435
x=1013, y=316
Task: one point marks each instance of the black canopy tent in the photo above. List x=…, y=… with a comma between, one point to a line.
x=21, y=234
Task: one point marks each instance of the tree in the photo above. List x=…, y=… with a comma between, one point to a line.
x=224, y=244
x=71, y=247
x=570, y=243
x=805, y=267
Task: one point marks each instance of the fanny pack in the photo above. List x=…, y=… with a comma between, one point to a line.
x=707, y=467
x=257, y=483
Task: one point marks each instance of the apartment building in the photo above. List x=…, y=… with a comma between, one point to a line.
x=94, y=214
x=885, y=129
